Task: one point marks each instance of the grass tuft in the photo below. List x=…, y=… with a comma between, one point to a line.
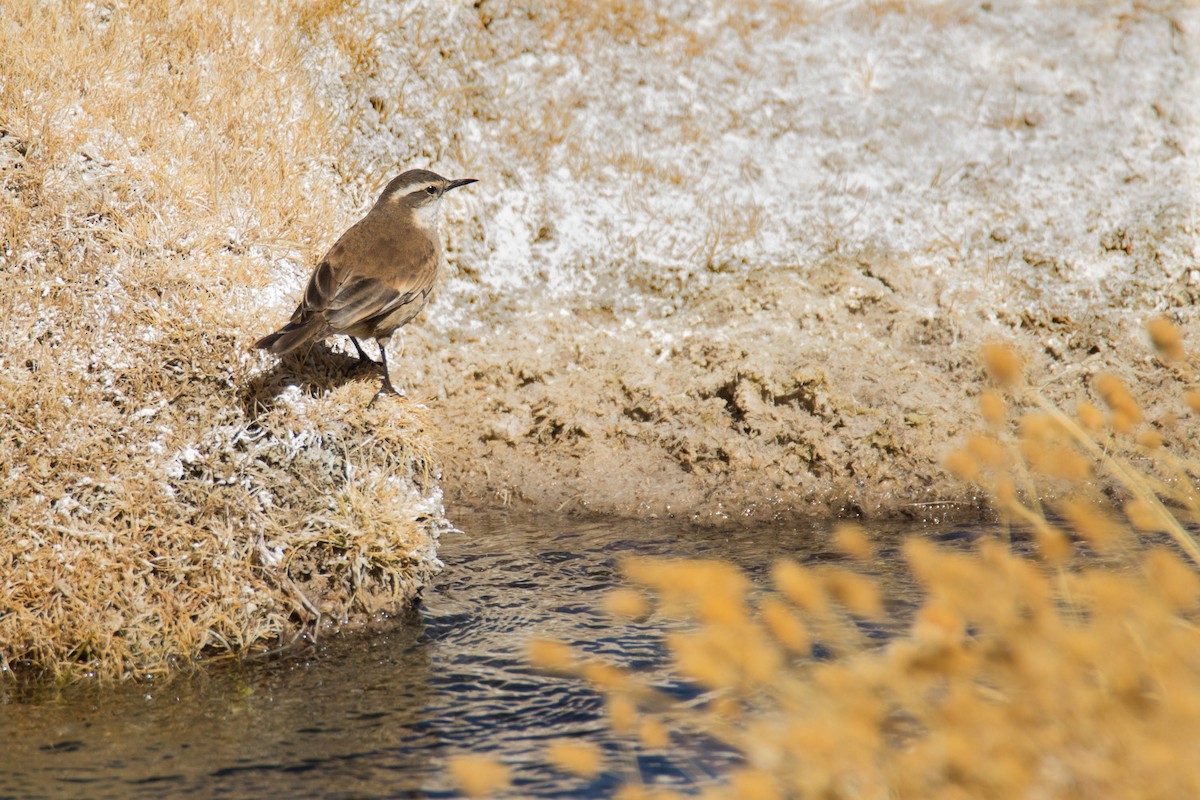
x=167, y=494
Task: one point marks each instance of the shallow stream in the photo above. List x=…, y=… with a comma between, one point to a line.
x=379, y=715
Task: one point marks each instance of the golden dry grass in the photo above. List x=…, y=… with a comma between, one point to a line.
x=1066, y=669
x=159, y=502
x=160, y=166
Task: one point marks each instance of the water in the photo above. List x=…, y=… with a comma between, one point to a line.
x=378, y=715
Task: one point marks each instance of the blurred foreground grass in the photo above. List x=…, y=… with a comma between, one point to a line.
x=1062, y=663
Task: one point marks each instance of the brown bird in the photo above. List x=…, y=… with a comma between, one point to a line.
x=378, y=275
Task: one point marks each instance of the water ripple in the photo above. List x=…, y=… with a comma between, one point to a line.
x=378, y=715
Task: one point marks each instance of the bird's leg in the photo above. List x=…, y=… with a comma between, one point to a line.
x=362, y=354
x=387, y=387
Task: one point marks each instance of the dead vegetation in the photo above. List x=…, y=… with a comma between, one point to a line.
x=165, y=496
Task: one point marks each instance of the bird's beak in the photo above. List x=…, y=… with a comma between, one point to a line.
x=460, y=182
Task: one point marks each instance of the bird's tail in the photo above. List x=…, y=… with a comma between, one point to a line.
x=295, y=334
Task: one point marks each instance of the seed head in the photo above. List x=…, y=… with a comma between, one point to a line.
x=578, y=758
x=478, y=776
x=1167, y=339
x=1003, y=365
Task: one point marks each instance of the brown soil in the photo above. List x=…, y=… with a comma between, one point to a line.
x=775, y=398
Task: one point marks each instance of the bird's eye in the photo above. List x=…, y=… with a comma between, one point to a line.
x=431, y=190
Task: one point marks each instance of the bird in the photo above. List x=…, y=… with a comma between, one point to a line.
x=378, y=275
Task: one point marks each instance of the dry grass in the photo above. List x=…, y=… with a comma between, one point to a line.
x=159, y=502
x=1065, y=669
x=160, y=167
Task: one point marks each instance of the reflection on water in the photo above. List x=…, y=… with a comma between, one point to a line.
x=378, y=715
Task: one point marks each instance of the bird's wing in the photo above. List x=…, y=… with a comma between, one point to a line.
x=307, y=324
x=376, y=281
x=369, y=273
x=322, y=287
x=361, y=300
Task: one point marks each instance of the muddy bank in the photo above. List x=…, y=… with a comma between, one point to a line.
x=776, y=415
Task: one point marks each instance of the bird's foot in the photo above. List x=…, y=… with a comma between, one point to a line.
x=364, y=360
x=385, y=389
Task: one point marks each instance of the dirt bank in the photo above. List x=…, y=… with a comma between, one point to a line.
x=733, y=260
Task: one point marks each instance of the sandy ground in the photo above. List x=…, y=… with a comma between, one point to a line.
x=733, y=262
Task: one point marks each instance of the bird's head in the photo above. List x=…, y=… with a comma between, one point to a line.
x=419, y=188
x=420, y=192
